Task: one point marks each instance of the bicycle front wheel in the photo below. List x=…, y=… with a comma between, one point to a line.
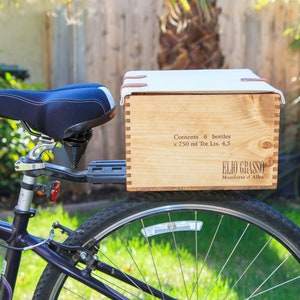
x=186, y=245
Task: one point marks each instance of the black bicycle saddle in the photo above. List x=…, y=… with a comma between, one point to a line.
x=61, y=113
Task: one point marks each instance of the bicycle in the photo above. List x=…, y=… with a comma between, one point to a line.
x=182, y=230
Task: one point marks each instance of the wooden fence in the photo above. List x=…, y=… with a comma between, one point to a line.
x=117, y=35
x=120, y=36
x=254, y=39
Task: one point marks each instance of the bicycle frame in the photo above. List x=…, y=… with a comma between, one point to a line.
x=18, y=239
x=12, y=261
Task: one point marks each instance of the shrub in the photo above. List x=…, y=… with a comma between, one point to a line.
x=14, y=140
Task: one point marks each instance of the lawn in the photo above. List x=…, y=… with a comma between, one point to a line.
x=32, y=265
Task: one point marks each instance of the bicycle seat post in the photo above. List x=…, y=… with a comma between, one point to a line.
x=22, y=213
x=31, y=162
x=26, y=193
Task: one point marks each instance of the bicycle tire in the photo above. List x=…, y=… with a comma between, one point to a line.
x=223, y=274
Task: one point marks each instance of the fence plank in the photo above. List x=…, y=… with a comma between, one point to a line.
x=119, y=35
x=254, y=39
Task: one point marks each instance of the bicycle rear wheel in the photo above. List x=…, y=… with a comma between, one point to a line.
x=187, y=245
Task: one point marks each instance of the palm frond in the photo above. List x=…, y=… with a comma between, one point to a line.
x=180, y=13
x=189, y=35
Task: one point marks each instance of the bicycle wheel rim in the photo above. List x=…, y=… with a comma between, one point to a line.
x=279, y=235
x=243, y=210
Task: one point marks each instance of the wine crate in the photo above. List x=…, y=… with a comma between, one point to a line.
x=198, y=137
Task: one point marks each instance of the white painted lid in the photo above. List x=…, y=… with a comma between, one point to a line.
x=213, y=81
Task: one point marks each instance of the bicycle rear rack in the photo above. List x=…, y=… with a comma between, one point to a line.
x=97, y=172
x=106, y=171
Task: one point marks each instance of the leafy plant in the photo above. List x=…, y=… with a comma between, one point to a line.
x=14, y=141
x=73, y=9
x=13, y=144
x=293, y=31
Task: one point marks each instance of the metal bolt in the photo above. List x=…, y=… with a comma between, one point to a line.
x=95, y=257
x=55, y=224
x=83, y=255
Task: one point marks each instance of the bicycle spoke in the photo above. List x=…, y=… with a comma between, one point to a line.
x=179, y=258
x=122, y=277
x=226, y=262
x=152, y=257
x=249, y=266
x=135, y=263
x=275, y=287
x=72, y=292
x=188, y=250
x=119, y=287
x=208, y=251
x=196, y=259
x=254, y=294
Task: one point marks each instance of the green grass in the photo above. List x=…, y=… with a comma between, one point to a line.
x=32, y=265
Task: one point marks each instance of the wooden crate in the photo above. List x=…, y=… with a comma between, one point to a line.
x=196, y=141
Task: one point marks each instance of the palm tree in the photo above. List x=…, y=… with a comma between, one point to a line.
x=189, y=35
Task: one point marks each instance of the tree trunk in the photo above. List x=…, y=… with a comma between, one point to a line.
x=189, y=36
